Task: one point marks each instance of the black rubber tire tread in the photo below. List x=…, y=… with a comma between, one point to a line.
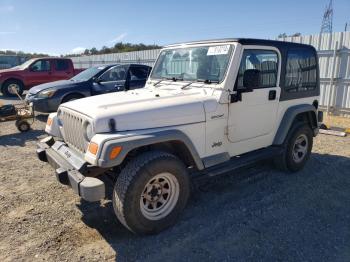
x=285, y=161
x=22, y=122
x=7, y=83
x=71, y=96
x=128, y=177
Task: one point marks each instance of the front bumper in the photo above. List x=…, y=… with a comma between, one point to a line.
x=70, y=169
x=44, y=105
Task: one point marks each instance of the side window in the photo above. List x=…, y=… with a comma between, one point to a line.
x=265, y=61
x=138, y=73
x=41, y=66
x=114, y=74
x=301, y=71
x=62, y=65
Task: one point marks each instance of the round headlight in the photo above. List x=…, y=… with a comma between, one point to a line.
x=89, y=131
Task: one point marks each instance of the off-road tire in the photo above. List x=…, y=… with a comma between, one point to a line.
x=71, y=97
x=131, y=185
x=22, y=126
x=286, y=161
x=8, y=83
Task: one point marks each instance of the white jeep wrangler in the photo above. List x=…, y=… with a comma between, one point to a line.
x=208, y=108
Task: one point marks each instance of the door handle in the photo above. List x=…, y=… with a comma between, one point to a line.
x=272, y=94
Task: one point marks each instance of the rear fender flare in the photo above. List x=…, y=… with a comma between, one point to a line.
x=289, y=117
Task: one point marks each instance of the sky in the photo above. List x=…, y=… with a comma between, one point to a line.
x=70, y=26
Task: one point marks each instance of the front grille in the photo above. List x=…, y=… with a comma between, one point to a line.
x=73, y=126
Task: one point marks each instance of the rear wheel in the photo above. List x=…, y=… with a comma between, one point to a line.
x=10, y=86
x=151, y=192
x=297, y=148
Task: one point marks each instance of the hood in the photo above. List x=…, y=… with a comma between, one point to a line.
x=10, y=70
x=145, y=108
x=57, y=85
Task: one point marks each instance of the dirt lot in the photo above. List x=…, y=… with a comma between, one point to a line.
x=261, y=214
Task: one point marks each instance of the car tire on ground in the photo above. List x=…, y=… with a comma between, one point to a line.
x=22, y=125
x=71, y=97
x=8, y=85
x=297, y=148
x=151, y=192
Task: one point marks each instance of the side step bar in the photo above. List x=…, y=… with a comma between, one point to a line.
x=240, y=162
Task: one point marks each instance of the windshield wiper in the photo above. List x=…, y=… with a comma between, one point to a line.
x=208, y=81
x=158, y=82
x=183, y=87
x=174, y=79
x=168, y=78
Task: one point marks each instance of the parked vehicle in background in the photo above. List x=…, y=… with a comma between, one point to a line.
x=8, y=61
x=93, y=81
x=35, y=72
x=208, y=108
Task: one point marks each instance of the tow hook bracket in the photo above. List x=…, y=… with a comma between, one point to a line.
x=62, y=176
x=41, y=154
x=48, y=141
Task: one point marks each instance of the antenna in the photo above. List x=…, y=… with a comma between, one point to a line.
x=327, y=20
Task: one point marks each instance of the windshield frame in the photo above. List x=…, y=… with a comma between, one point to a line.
x=26, y=64
x=104, y=69
x=232, y=44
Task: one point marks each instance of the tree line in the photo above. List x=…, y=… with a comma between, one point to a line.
x=118, y=48
x=22, y=54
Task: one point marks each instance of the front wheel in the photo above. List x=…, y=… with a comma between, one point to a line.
x=71, y=97
x=297, y=149
x=151, y=192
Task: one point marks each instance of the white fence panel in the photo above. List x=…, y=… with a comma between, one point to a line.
x=335, y=83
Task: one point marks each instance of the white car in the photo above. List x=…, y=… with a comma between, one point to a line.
x=208, y=108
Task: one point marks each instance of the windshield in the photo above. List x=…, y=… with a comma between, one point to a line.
x=204, y=63
x=25, y=64
x=87, y=74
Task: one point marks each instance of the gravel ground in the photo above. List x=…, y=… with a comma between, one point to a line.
x=262, y=214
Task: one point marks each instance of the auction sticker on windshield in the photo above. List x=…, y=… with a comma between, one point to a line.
x=218, y=50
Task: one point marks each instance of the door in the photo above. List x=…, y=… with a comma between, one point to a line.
x=252, y=120
x=138, y=76
x=112, y=80
x=39, y=72
x=63, y=69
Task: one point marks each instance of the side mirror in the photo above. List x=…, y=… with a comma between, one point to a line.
x=251, y=80
x=97, y=80
x=34, y=69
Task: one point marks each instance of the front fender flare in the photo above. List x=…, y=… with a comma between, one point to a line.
x=137, y=141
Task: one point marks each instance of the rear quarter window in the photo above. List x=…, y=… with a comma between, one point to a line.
x=301, y=71
x=62, y=65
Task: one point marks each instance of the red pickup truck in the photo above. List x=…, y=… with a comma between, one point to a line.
x=35, y=72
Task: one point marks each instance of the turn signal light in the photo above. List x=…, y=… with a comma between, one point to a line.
x=93, y=147
x=49, y=121
x=115, y=152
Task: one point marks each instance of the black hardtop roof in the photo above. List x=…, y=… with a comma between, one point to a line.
x=248, y=41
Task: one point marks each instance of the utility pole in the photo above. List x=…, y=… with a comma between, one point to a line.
x=327, y=20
